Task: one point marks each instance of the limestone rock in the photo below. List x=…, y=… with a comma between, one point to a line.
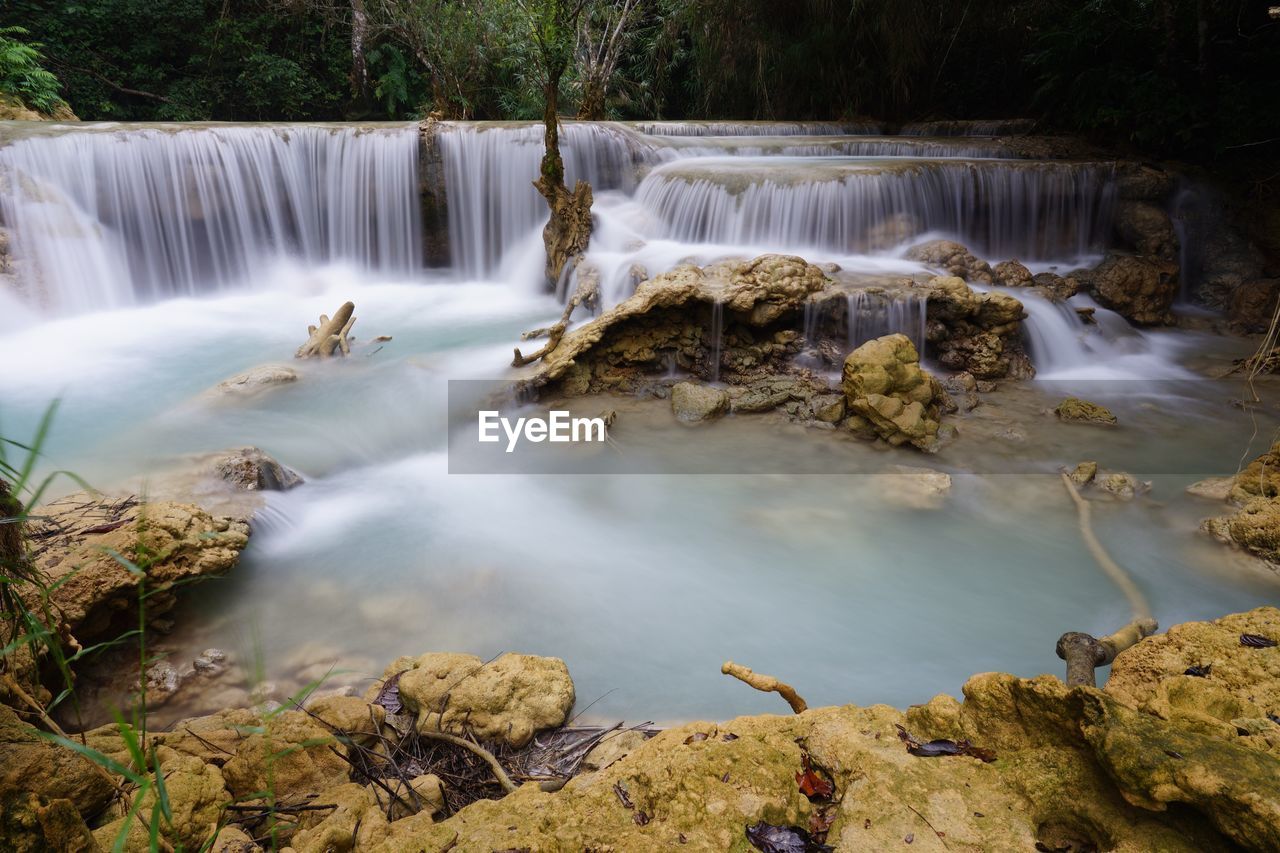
x=913, y=488
x=1255, y=528
x=1122, y=485
x=257, y=379
x=174, y=543
x=196, y=795
x=1260, y=478
x=1056, y=288
x=288, y=753
x=1084, y=473
x=1146, y=229
x=422, y=793
x=1212, y=488
x=1141, y=289
x=977, y=333
x=691, y=402
x=1076, y=410
x=31, y=765
x=952, y=257
x=613, y=747
x=1253, y=304
x=508, y=699
x=884, y=384
x=30, y=823
x=350, y=715
x=252, y=470
x=358, y=823
x=1012, y=274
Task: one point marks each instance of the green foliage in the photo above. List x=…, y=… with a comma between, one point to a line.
x=21, y=72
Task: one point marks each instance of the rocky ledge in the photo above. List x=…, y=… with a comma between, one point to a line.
x=1179, y=751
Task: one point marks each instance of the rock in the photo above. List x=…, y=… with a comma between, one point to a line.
x=422, y=793
x=1123, y=486
x=1255, y=528
x=12, y=108
x=30, y=823
x=288, y=753
x=1084, y=473
x=508, y=699
x=612, y=748
x=233, y=839
x=1140, y=289
x=1253, y=304
x=1075, y=410
x=30, y=765
x=1212, y=488
x=1012, y=274
x=952, y=257
x=1146, y=229
x=884, y=384
x=893, y=231
x=92, y=591
x=257, y=379
x=669, y=319
x=1140, y=182
x=913, y=488
x=1260, y=478
x=977, y=333
x=350, y=715
x=691, y=402
x=196, y=795
x=1229, y=261
x=1056, y=288
x=250, y=469
x=358, y=823
x=962, y=388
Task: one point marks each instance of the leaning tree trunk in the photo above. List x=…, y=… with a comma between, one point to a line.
x=359, y=64
x=568, y=231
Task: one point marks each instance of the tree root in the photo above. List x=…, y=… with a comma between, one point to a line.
x=330, y=335
x=1137, y=600
x=501, y=775
x=586, y=293
x=766, y=684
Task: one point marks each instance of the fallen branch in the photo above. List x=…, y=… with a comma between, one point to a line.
x=1085, y=653
x=1137, y=600
x=330, y=335
x=766, y=684
x=501, y=775
x=586, y=293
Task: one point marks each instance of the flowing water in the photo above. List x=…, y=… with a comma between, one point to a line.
x=153, y=262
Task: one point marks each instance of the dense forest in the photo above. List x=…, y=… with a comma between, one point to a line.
x=1174, y=77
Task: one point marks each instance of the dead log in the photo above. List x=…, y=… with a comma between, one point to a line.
x=330, y=336
x=1084, y=653
x=767, y=684
x=587, y=292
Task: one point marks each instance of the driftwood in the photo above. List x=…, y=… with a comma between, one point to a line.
x=767, y=684
x=586, y=293
x=330, y=335
x=1085, y=653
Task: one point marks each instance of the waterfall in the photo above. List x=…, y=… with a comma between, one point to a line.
x=753, y=128
x=999, y=208
x=873, y=315
x=108, y=215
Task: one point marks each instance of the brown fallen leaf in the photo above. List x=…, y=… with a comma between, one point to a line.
x=813, y=785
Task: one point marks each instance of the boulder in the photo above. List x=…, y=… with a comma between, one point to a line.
x=1056, y=288
x=1255, y=528
x=30, y=823
x=1084, y=473
x=1253, y=304
x=1212, y=488
x=884, y=385
x=952, y=257
x=357, y=823
x=692, y=402
x=288, y=753
x=1141, y=182
x=977, y=333
x=252, y=470
x=72, y=540
x=31, y=765
x=1012, y=274
x=509, y=699
x=1122, y=485
x=1076, y=410
x=1141, y=289
x=1146, y=229
x=196, y=795
x=913, y=488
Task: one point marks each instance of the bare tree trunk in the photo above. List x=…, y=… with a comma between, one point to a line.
x=359, y=66
x=568, y=231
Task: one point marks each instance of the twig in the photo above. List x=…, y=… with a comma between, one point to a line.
x=767, y=684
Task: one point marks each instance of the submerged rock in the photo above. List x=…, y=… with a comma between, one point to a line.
x=691, y=402
x=256, y=380
x=1076, y=410
x=885, y=387
x=252, y=470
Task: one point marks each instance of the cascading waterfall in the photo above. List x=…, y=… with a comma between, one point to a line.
x=109, y=215
x=999, y=208
x=752, y=128
x=872, y=314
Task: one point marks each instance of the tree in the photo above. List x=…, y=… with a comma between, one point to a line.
x=601, y=40
x=553, y=25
